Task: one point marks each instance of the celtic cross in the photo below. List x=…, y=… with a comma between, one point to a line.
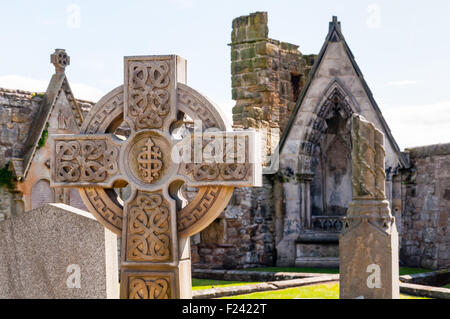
x=154, y=225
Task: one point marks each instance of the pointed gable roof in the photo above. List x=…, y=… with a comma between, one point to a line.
x=57, y=85
x=335, y=35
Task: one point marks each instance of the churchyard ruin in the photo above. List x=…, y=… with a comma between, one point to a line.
x=307, y=175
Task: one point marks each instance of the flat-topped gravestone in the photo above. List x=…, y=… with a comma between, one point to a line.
x=154, y=225
x=368, y=244
x=57, y=252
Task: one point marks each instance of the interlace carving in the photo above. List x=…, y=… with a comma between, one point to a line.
x=85, y=161
x=150, y=162
x=149, y=228
x=211, y=172
x=145, y=288
x=148, y=100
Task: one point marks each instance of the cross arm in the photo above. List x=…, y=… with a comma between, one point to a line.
x=84, y=160
x=221, y=159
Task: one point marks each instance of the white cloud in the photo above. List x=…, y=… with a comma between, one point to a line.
x=401, y=83
x=86, y=92
x=417, y=125
x=18, y=82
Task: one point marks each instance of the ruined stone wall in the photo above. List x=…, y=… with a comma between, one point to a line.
x=426, y=217
x=267, y=77
x=243, y=236
x=17, y=111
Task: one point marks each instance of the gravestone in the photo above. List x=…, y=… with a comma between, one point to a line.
x=154, y=226
x=368, y=244
x=57, y=252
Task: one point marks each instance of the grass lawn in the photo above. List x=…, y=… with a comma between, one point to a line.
x=322, y=291
x=200, y=284
x=446, y=286
x=403, y=270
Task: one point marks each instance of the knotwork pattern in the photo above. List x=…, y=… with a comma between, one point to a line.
x=150, y=162
x=210, y=172
x=148, y=100
x=148, y=288
x=149, y=228
x=85, y=161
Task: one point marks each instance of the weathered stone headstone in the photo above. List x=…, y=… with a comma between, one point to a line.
x=155, y=229
x=57, y=251
x=368, y=244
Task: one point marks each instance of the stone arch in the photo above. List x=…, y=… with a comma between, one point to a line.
x=324, y=158
x=335, y=99
x=41, y=193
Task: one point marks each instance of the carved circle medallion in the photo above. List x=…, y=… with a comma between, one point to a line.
x=147, y=158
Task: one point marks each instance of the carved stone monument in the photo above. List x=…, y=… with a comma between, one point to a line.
x=154, y=226
x=368, y=244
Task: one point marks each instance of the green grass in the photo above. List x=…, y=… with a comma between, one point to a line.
x=200, y=284
x=446, y=286
x=322, y=291
x=403, y=270
x=411, y=271
x=295, y=269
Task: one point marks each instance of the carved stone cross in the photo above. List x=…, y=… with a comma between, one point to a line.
x=154, y=226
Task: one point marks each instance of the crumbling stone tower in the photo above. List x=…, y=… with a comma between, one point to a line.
x=267, y=77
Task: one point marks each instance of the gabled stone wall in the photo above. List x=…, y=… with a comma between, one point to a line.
x=426, y=217
x=18, y=114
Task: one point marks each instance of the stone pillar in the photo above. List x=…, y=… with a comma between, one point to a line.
x=292, y=224
x=305, y=209
x=368, y=244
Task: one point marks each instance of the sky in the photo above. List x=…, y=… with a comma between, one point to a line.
x=401, y=47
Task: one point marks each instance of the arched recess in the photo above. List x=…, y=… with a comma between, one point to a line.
x=41, y=194
x=324, y=166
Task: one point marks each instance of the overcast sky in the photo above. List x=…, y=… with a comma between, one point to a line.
x=401, y=47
